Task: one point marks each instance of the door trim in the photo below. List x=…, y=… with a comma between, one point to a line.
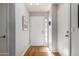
x=7, y=27
x=70, y=33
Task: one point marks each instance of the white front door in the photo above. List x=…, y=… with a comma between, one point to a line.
x=3, y=39
x=37, y=31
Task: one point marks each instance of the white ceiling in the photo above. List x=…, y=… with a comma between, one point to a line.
x=42, y=7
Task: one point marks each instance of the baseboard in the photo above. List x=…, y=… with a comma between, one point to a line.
x=4, y=54
x=25, y=50
x=54, y=50
x=38, y=45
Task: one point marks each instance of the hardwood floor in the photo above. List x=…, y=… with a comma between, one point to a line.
x=56, y=54
x=39, y=51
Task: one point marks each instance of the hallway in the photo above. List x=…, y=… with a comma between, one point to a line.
x=45, y=29
x=40, y=51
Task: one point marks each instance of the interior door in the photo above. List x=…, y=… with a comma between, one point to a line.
x=74, y=30
x=64, y=29
x=37, y=31
x=3, y=39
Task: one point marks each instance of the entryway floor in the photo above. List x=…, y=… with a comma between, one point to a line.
x=39, y=51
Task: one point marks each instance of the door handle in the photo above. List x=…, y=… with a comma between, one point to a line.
x=66, y=35
x=3, y=36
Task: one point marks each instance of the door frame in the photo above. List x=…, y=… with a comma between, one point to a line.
x=7, y=26
x=70, y=33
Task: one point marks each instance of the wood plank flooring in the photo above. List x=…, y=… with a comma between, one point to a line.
x=56, y=54
x=39, y=51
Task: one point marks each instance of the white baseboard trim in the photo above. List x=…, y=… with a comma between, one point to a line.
x=25, y=50
x=53, y=50
x=38, y=45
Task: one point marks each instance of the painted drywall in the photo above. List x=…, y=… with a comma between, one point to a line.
x=74, y=30
x=22, y=37
x=53, y=28
x=63, y=17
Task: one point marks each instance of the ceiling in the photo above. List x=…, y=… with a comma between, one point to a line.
x=41, y=7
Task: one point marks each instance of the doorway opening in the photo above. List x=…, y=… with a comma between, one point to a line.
x=39, y=30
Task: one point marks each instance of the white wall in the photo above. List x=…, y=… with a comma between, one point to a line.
x=63, y=17
x=53, y=28
x=22, y=37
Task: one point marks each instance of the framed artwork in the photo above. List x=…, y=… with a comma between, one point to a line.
x=24, y=23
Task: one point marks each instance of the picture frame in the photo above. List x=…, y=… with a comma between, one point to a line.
x=24, y=23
